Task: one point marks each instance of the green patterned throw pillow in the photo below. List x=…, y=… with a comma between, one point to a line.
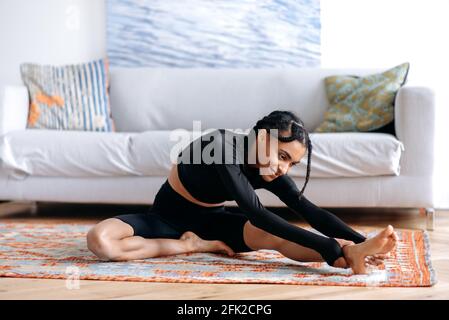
x=362, y=103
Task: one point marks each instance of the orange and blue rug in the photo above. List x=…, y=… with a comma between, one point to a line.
x=57, y=251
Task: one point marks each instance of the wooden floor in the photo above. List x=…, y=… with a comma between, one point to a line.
x=14, y=288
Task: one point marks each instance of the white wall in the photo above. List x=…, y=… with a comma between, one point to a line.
x=49, y=31
x=355, y=33
x=385, y=33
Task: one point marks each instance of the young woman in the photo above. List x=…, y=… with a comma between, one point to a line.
x=188, y=212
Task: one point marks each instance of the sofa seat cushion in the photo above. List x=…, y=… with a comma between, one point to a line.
x=352, y=154
x=55, y=153
x=58, y=153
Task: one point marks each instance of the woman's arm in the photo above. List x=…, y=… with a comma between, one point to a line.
x=243, y=193
x=322, y=220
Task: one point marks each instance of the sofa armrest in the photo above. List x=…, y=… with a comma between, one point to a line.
x=415, y=128
x=13, y=109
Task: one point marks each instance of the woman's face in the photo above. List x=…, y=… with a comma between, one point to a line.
x=281, y=157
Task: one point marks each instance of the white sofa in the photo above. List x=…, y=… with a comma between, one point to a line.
x=350, y=169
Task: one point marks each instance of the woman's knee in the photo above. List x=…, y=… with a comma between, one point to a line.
x=257, y=239
x=100, y=242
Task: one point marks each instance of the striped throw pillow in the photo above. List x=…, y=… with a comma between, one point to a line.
x=69, y=97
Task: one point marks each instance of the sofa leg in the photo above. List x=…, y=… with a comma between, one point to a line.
x=34, y=208
x=12, y=207
x=430, y=217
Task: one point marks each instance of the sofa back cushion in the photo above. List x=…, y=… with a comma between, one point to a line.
x=171, y=98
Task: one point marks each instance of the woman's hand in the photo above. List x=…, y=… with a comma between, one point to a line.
x=374, y=260
x=341, y=262
x=344, y=242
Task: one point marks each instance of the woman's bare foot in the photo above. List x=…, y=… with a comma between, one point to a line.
x=382, y=243
x=197, y=244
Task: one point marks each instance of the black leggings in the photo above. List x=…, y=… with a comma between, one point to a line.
x=171, y=215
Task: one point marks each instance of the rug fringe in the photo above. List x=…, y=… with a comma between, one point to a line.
x=427, y=255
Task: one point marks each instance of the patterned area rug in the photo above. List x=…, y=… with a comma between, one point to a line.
x=59, y=251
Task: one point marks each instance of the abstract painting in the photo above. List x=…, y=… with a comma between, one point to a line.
x=213, y=33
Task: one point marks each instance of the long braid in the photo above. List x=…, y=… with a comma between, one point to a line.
x=309, y=164
x=288, y=122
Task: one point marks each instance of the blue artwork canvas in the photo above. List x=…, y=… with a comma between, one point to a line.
x=213, y=33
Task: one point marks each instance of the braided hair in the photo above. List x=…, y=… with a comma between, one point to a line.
x=287, y=121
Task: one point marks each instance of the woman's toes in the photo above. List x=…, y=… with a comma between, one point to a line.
x=225, y=248
x=387, y=231
x=229, y=251
x=395, y=236
x=388, y=246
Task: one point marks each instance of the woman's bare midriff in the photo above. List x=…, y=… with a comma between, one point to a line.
x=175, y=183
